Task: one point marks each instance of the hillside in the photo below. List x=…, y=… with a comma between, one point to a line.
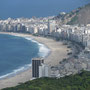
x=78, y=16
x=73, y=82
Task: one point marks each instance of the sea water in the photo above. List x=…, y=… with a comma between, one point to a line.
x=16, y=54
x=38, y=8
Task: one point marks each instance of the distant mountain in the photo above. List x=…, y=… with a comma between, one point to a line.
x=78, y=16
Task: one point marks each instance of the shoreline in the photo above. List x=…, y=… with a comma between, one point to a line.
x=41, y=46
x=58, y=51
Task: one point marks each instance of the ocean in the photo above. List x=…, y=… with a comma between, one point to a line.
x=38, y=8
x=16, y=54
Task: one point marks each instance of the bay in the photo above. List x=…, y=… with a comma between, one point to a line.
x=16, y=54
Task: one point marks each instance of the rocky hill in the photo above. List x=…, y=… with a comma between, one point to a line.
x=78, y=16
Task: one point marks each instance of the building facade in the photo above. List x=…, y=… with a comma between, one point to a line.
x=36, y=62
x=44, y=71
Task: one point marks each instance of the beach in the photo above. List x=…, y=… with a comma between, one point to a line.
x=57, y=54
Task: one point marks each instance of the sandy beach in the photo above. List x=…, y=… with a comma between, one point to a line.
x=58, y=52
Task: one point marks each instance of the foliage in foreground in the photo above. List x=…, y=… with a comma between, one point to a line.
x=74, y=82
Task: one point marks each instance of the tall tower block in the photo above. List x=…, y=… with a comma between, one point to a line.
x=36, y=62
x=51, y=26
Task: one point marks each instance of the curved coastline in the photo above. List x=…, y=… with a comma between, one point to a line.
x=55, y=55
x=42, y=48
x=44, y=52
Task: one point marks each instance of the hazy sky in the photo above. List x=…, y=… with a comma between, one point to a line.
x=29, y=8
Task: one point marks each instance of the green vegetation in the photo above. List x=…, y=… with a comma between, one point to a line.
x=81, y=15
x=36, y=34
x=74, y=82
x=73, y=20
x=78, y=16
x=70, y=53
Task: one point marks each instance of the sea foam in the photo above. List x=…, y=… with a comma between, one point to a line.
x=16, y=71
x=43, y=52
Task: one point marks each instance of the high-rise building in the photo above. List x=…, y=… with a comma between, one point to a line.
x=51, y=26
x=36, y=62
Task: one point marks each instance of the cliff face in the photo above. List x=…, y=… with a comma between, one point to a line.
x=78, y=16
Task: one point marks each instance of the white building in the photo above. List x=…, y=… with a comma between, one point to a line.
x=51, y=26
x=30, y=30
x=44, y=71
x=40, y=31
